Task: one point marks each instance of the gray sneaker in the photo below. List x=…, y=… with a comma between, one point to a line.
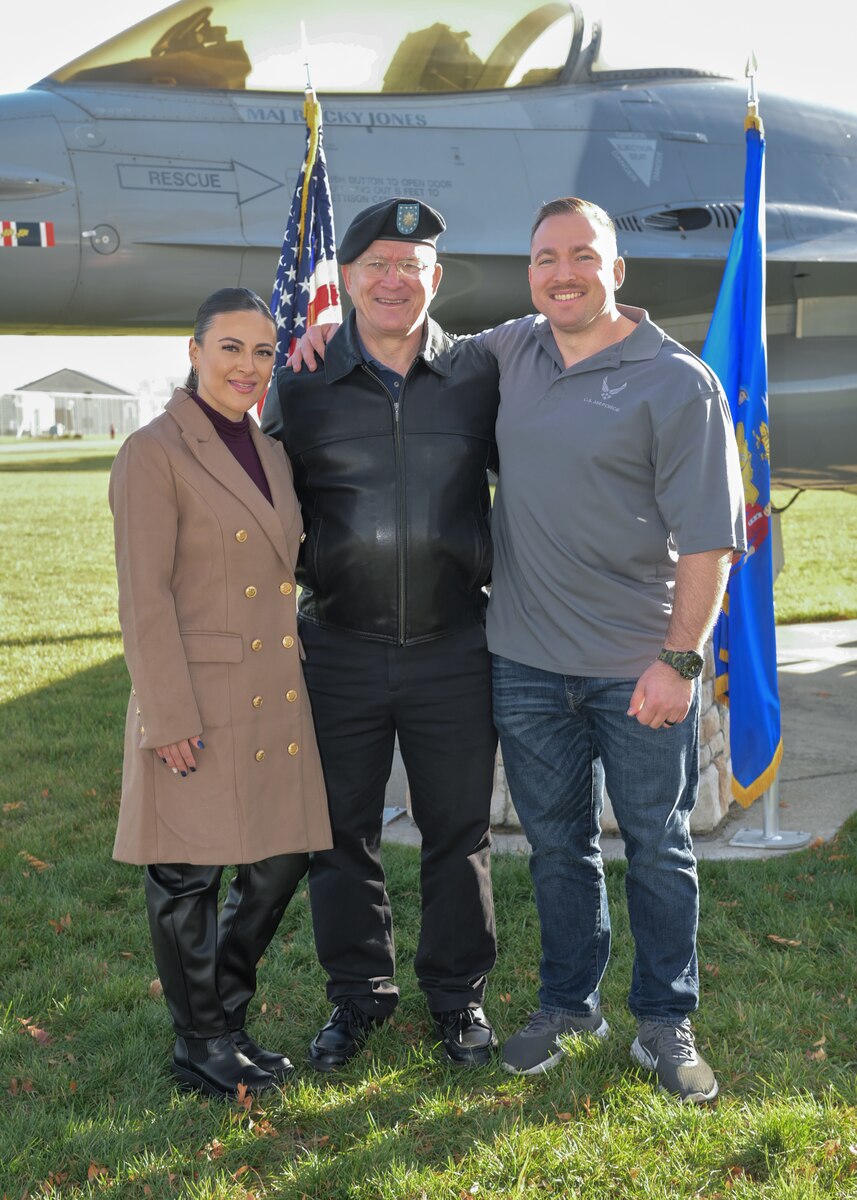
x=669, y=1051
x=537, y=1046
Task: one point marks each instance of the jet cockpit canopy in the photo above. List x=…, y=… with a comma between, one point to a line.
x=382, y=47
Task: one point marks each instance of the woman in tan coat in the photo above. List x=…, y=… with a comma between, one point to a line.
x=221, y=764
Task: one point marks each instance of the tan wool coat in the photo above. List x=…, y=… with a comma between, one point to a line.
x=207, y=609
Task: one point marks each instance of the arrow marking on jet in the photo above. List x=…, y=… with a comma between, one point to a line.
x=238, y=179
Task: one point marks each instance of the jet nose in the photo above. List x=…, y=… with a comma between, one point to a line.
x=39, y=226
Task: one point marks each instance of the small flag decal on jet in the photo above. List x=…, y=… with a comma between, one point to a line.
x=26, y=233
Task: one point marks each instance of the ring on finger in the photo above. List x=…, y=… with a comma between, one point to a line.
x=670, y=723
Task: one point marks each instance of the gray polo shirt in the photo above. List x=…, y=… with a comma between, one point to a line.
x=609, y=470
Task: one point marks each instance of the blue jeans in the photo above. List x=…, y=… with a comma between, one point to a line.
x=560, y=735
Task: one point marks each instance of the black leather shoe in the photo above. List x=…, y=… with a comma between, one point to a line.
x=342, y=1036
x=217, y=1066
x=275, y=1064
x=467, y=1036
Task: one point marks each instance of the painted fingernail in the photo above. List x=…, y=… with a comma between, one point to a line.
x=200, y=743
x=163, y=760
x=175, y=770
x=193, y=770
x=184, y=774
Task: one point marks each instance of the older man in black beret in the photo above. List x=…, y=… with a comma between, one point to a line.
x=390, y=444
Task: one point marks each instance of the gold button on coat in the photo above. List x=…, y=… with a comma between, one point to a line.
x=241, y=535
x=142, y=729
x=256, y=644
x=260, y=754
x=250, y=592
x=291, y=695
x=257, y=701
x=286, y=589
x=293, y=748
x=288, y=641
x=303, y=537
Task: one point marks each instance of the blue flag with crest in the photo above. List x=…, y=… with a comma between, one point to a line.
x=745, y=650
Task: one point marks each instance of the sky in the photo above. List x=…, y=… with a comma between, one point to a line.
x=813, y=62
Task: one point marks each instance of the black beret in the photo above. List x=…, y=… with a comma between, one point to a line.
x=397, y=220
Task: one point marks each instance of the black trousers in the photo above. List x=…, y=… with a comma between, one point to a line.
x=207, y=961
x=436, y=696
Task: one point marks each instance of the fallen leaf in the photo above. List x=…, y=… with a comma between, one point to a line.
x=97, y=1172
x=40, y=1035
x=728, y=903
x=125, y=954
x=214, y=1148
x=45, y=793
x=563, y=1116
x=634, y=1172
x=62, y=924
x=816, y=1055
x=72, y=1087
x=264, y=1128
x=241, y=1170
x=13, y=805
x=712, y=969
x=836, y=857
x=832, y=1147
x=243, y=1097
x=820, y=1041
x=781, y=941
x=156, y=989
x=35, y=863
x=815, y=843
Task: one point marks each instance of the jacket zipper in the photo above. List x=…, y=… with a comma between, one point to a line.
x=401, y=508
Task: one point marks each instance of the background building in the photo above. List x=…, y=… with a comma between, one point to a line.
x=71, y=404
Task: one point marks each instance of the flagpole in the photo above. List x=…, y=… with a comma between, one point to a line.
x=770, y=836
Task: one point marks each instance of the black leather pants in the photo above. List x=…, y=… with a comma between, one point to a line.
x=207, y=964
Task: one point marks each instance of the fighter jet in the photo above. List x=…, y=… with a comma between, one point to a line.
x=160, y=165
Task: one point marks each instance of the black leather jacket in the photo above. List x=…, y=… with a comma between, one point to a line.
x=394, y=491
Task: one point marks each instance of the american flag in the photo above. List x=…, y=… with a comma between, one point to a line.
x=306, y=289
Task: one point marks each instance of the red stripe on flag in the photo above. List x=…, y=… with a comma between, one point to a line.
x=48, y=229
x=7, y=236
x=326, y=297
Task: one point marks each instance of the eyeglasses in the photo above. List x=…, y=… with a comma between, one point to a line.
x=406, y=268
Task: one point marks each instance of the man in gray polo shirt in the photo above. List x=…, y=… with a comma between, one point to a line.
x=617, y=513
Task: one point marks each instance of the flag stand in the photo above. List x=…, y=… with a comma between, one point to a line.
x=771, y=837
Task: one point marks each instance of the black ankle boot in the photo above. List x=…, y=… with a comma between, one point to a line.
x=216, y=1066
x=275, y=1064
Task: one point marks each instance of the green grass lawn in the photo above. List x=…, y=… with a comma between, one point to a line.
x=86, y=1104
x=819, y=579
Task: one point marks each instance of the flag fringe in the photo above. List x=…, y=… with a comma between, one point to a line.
x=746, y=795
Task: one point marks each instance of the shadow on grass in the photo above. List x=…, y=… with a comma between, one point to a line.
x=80, y=462
x=105, y=635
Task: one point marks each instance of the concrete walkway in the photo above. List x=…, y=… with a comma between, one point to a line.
x=817, y=670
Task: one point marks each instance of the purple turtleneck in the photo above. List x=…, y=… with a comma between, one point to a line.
x=235, y=436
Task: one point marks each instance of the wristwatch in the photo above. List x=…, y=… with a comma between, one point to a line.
x=687, y=662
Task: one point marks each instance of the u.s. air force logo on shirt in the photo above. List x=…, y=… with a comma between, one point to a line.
x=607, y=393
x=407, y=217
